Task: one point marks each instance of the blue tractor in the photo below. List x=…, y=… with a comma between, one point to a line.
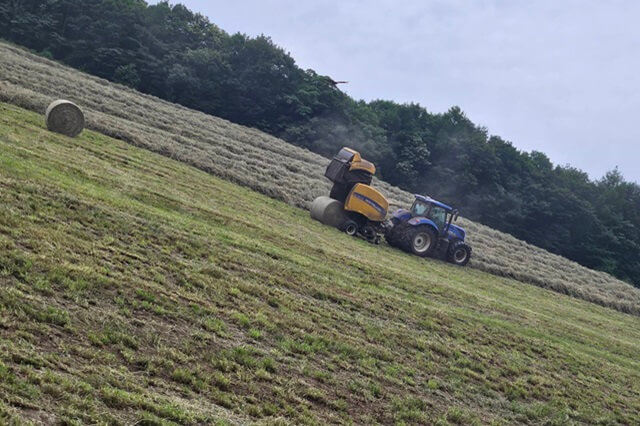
x=427, y=230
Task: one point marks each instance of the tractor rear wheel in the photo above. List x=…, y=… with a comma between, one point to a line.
x=459, y=253
x=419, y=240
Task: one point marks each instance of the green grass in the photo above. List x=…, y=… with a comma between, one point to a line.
x=134, y=288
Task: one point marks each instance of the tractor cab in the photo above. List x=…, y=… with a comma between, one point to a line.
x=439, y=213
x=427, y=229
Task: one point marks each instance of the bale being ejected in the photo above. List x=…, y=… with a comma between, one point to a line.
x=356, y=208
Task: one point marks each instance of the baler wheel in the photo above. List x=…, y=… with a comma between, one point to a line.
x=349, y=227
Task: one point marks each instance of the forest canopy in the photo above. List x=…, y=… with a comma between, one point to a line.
x=170, y=52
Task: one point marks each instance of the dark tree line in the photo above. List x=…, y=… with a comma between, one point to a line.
x=170, y=52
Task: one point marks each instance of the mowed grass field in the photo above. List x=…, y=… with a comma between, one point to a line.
x=135, y=289
x=271, y=166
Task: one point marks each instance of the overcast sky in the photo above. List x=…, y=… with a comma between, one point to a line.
x=561, y=77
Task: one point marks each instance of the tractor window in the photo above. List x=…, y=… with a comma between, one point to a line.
x=419, y=208
x=439, y=216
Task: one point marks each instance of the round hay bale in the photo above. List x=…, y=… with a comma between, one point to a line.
x=328, y=211
x=65, y=117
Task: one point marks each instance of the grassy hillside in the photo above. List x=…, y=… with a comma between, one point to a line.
x=270, y=166
x=136, y=288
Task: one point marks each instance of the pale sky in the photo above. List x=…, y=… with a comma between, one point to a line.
x=557, y=76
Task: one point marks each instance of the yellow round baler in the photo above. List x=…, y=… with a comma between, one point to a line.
x=353, y=206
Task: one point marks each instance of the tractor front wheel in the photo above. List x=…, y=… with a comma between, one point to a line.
x=419, y=240
x=459, y=253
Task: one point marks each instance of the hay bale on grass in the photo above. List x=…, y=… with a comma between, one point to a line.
x=65, y=117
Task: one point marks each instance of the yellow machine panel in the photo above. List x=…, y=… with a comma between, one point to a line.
x=368, y=202
x=358, y=163
x=356, y=154
x=363, y=165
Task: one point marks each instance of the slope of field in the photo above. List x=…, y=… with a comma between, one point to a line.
x=270, y=166
x=135, y=288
